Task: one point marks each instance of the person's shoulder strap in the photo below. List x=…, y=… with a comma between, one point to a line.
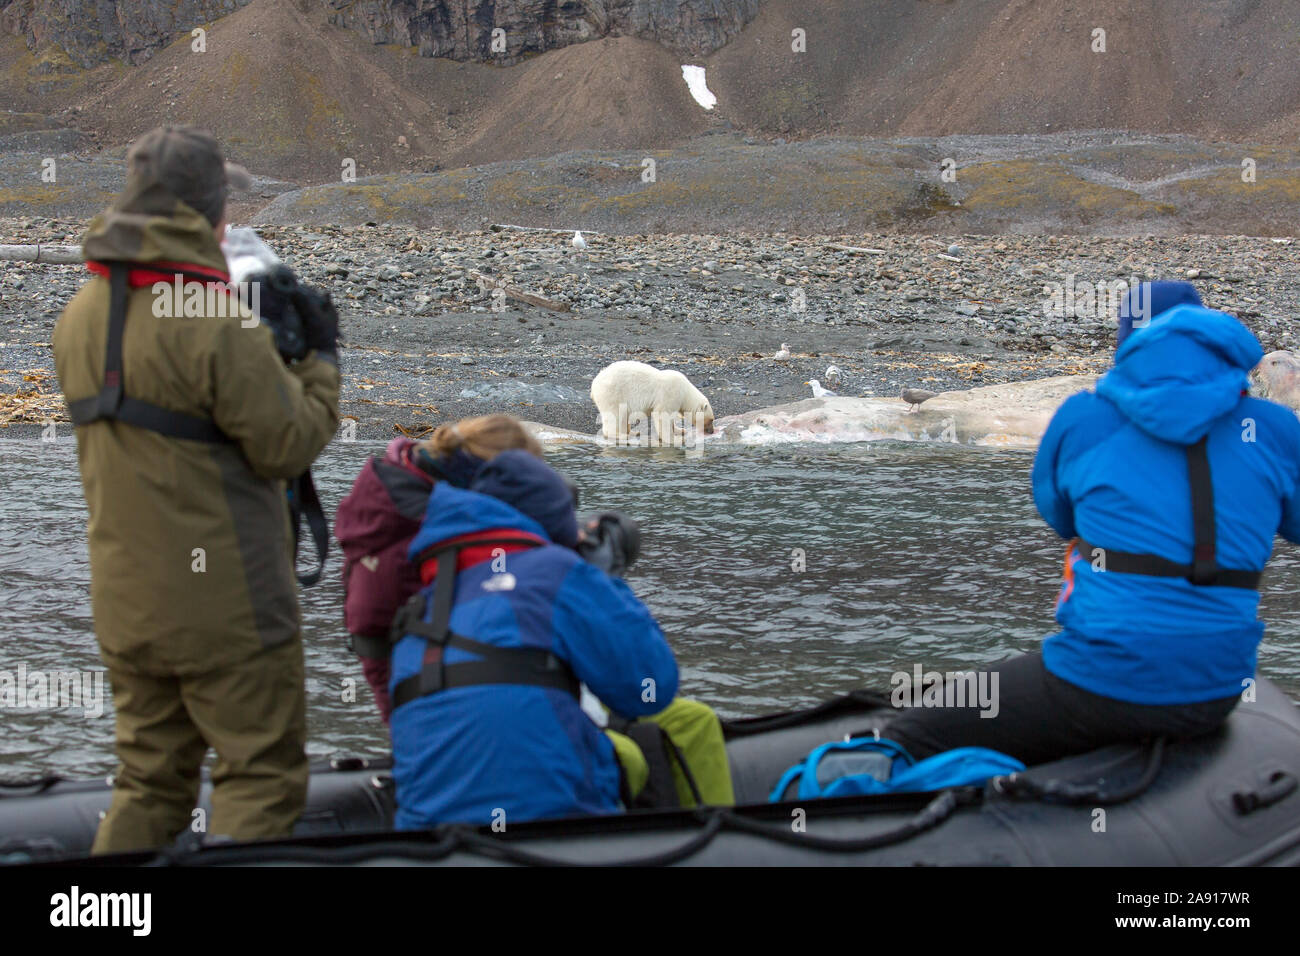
x=108, y=400
x=110, y=396
x=1203, y=523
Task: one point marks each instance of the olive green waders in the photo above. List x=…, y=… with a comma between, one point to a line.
x=253, y=714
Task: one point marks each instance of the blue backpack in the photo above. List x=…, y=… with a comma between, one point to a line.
x=844, y=768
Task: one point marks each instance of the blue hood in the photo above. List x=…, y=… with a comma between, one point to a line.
x=1146, y=300
x=453, y=512
x=514, y=490
x=526, y=482
x=1188, y=368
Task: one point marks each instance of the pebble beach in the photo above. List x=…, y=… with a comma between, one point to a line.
x=441, y=324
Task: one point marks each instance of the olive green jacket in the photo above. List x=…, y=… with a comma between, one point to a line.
x=190, y=543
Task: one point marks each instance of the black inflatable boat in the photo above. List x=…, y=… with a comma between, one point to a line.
x=1230, y=798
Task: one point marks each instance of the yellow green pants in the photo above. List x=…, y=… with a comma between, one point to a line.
x=697, y=732
x=252, y=714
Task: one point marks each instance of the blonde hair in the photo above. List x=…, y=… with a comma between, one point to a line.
x=483, y=437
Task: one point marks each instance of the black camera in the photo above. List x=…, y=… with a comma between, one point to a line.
x=296, y=313
x=611, y=541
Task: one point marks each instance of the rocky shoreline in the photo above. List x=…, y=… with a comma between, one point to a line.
x=436, y=325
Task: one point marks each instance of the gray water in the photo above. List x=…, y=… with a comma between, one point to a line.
x=915, y=554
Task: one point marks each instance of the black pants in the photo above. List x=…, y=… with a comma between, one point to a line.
x=1042, y=718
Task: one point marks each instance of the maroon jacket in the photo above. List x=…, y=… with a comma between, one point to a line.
x=374, y=526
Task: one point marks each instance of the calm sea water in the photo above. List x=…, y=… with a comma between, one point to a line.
x=913, y=554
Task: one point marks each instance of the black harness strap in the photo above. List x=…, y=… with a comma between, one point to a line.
x=145, y=415
x=112, y=404
x=1204, y=570
x=529, y=666
x=305, y=503
x=1204, y=534
x=110, y=395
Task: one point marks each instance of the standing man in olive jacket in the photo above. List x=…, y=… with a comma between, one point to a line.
x=188, y=425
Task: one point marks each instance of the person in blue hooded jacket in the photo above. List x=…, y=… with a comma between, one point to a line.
x=1148, y=300
x=487, y=726
x=1171, y=483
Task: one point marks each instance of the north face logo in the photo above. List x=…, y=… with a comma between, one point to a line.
x=500, y=582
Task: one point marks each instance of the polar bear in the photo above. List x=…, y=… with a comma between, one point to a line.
x=627, y=392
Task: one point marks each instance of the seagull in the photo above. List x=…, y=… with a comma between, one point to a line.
x=915, y=396
x=783, y=355
x=818, y=391
x=578, y=241
x=833, y=375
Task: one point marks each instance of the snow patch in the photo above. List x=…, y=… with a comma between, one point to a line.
x=694, y=77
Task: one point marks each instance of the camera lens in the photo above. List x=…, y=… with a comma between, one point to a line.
x=281, y=280
x=631, y=538
x=573, y=489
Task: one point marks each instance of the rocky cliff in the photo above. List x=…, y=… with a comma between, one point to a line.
x=93, y=31
x=464, y=29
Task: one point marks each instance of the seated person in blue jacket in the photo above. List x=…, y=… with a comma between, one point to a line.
x=487, y=725
x=1170, y=483
x=1146, y=300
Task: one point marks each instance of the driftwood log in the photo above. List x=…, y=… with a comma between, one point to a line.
x=861, y=250
x=502, y=226
x=40, y=253
x=512, y=292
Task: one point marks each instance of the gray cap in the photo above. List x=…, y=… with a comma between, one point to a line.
x=186, y=161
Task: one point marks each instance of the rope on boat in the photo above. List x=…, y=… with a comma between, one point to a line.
x=454, y=838
x=29, y=787
x=449, y=839
x=1064, y=791
x=855, y=701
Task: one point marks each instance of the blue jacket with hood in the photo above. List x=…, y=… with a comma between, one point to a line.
x=467, y=753
x=1112, y=469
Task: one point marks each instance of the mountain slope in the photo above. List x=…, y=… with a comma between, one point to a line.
x=294, y=94
x=1212, y=68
